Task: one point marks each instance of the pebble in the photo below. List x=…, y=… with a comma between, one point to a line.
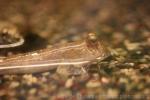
x=118, y=37
x=146, y=33
x=130, y=27
x=69, y=83
x=121, y=52
x=112, y=93
x=105, y=80
x=46, y=73
x=3, y=92
x=129, y=71
x=30, y=79
x=142, y=66
x=123, y=80
x=10, y=77
x=32, y=91
x=14, y=84
x=131, y=45
x=93, y=83
x=63, y=94
x=43, y=79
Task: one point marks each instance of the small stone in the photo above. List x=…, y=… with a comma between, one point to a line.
x=129, y=71
x=118, y=37
x=131, y=46
x=44, y=79
x=63, y=94
x=14, y=84
x=112, y=93
x=1, y=60
x=93, y=84
x=10, y=77
x=69, y=82
x=129, y=64
x=123, y=80
x=35, y=54
x=105, y=80
x=148, y=41
x=30, y=79
x=46, y=73
x=130, y=27
x=146, y=33
x=120, y=51
x=3, y=92
x=142, y=66
x=32, y=91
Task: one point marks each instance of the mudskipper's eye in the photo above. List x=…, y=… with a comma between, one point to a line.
x=92, y=37
x=92, y=41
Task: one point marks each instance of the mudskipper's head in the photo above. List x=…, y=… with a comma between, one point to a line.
x=96, y=47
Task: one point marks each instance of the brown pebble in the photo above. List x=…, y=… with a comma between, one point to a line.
x=14, y=84
x=131, y=46
x=29, y=79
x=93, y=83
x=105, y=80
x=32, y=91
x=69, y=82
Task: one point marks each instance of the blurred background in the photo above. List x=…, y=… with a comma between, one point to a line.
x=47, y=19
